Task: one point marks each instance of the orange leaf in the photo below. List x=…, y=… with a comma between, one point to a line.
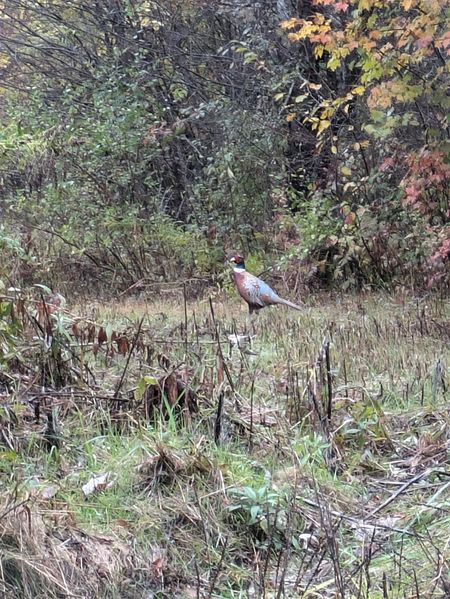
x=350, y=219
x=157, y=565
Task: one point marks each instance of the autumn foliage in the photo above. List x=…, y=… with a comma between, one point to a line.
x=392, y=59
x=142, y=139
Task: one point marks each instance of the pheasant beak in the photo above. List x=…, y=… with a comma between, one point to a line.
x=233, y=259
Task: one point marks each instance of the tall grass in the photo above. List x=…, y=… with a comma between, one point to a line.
x=313, y=465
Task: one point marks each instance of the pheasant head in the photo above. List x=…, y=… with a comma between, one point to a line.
x=236, y=259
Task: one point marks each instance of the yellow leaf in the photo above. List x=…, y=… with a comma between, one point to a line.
x=290, y=23
x=315, y=86
x=146, y=22
x=278, y=97
x=327, y=112
x=334, y=63
x=333, y=150
x=358, y=91
x=346, y=171
x=294, y=37
x=290, y=117
x=323, y=124
x=318, y=51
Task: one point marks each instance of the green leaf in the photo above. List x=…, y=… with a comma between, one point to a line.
x=254, y=512
x=142, y=385
x=44, y=288
x=251, y=493
x=346, y=171
x=109, y=332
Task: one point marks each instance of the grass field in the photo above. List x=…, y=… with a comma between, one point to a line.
x=157, y=459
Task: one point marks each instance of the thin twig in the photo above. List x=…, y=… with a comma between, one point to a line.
x=330, y=390
x=355, y=520
x=219, y=567
x=397, y=493
x=219, y=347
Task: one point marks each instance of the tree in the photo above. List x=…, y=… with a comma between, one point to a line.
x=386, y=115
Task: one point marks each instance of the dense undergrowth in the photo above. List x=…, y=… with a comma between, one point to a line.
x=140, y=140
x=145, y=454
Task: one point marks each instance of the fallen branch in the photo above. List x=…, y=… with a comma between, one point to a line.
x=358, y=521
x=402, y=489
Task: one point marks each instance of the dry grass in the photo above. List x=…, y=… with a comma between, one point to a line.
x=295, y=478
x=44, y=554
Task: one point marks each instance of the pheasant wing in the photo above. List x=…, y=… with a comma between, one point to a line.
x=260, y=292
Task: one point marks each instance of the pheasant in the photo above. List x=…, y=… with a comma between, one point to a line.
x=254, y=291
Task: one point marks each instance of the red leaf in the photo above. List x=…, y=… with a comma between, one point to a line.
x=424, y=41
x=102, y=336
x=75, y=331
x=342, y=6
x=387, y=162
x=123, y=345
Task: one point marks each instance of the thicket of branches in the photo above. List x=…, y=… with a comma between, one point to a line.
x=142, y=138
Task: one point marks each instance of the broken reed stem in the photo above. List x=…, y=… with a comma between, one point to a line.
x=252, y=391
x=124, y=371
x=218, y=422
x=185, y=322
x=314, y=368
x=219, y=347
x=202, y=519
x=313, y=399
x=218, y=569
x=344, y=368
x=330, y=390
x=186, y=392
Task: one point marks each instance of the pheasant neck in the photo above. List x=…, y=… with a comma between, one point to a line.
x=239, y=267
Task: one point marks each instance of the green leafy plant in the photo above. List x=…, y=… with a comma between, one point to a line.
x=262, y=511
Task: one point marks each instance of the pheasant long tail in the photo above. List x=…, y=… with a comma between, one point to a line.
x=290, y=304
